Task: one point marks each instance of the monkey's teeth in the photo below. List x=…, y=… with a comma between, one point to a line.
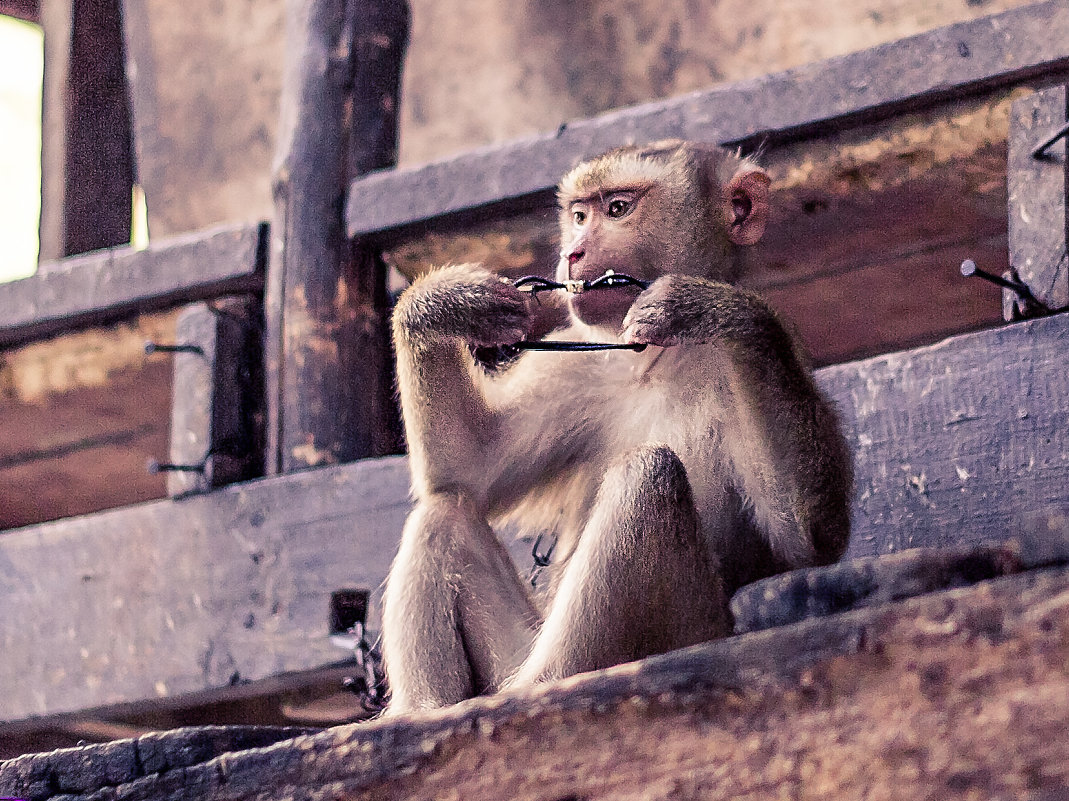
x=575, y=287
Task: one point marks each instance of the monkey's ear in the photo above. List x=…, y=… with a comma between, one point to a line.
x=746, y=204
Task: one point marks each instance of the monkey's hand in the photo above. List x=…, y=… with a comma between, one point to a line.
x=681, y=309
x=465, y=302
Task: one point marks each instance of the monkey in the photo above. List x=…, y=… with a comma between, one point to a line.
x=670, y=477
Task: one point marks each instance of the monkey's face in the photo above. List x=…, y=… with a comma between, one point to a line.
x=604, y=233
x=670, y=207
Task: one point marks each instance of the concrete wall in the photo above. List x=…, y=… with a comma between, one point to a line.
x=206, y=75
x=485, y=70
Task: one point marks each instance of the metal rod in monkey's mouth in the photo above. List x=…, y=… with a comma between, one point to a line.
x=610, y=280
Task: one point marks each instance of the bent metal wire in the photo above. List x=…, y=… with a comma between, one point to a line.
x=611, y=280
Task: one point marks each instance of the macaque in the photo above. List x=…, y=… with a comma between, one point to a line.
x=669, y=477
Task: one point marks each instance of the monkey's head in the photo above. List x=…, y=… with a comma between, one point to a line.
x=667, y=207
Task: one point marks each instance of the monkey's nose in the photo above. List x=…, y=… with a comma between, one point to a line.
x=575, y=256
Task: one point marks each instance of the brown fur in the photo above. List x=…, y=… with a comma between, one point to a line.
x=670, y=477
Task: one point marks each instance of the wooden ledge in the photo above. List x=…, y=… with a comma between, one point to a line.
x=106, y=285
x=934, y=67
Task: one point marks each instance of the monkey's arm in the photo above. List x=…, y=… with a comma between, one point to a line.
x=783, y=437
x=448, y=422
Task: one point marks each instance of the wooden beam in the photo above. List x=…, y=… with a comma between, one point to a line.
x=87, y=162
x=381, y=31
x=1038, y=201
x=957, y=442
x=174, y=597
x=930, y=68
x=104, y=286
x=967, y=435
x=326, y=311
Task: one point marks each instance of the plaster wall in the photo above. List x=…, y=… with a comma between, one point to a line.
x=206, y=75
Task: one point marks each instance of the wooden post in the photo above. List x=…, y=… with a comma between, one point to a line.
x=216, y=414
x=87, y=165
x=325, y=347
x=1038, y=190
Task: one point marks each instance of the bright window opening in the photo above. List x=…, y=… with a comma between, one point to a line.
x=21, y=71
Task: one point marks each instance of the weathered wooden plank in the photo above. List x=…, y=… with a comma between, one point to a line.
x=87, y=164
x=110, y=284
x=93, y=400
x=955, y=695
x=957, y=442
x=932, y=67
x=172, y=597
x=91, y=769
x=1039, y=198
x=85, y=450
x=217, y=404
x=906, y=300
x=317, y=298
x=381, y=33
x=963, y=438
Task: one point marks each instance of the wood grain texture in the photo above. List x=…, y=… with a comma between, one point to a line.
x=216, y=408
x=85, y=449
x=959, y=440
x=964, y=441
x=87, y=160
x=191, y=400
x=1039, y=197
x=947, y=63
x=172, y=597
x=954, y=695
x=110, y=284
x=320, y=296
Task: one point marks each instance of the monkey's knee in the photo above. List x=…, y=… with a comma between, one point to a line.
x=649, y=477
x=428, y=554
x=447, y=538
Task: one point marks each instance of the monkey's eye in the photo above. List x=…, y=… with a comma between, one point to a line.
x=618, y=207
x=578, y=216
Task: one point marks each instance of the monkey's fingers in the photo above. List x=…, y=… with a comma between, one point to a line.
x=640, y=335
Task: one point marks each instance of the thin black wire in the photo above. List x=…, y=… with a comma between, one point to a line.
x=563, y=345
x=541, y=559
x=608, y=281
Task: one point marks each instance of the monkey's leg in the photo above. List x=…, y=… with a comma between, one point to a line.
x=640, y=581
x=456, y=617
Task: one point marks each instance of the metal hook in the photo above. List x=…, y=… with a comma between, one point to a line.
x=1040, y=150
x=156, y=347
x=1029, y=304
